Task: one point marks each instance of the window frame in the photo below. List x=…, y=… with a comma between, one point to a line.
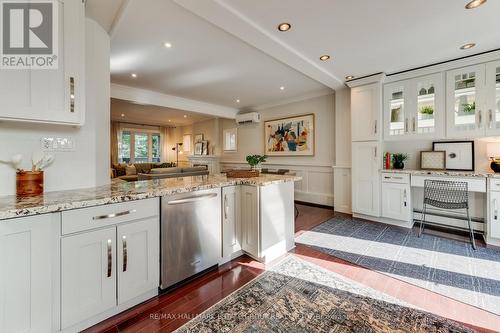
x=133, y=132
x=230, y=131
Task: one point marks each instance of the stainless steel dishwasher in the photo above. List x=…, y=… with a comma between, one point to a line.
x=190, y=234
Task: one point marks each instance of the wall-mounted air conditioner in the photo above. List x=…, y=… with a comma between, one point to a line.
x=248, y=118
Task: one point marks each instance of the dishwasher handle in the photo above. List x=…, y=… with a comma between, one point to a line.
x=192, y=199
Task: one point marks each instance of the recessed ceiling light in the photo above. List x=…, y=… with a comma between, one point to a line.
x=237, y=101
x=282, y=88
x=123, y=115
x=467, y=46
x=167, y=45
x=474, y=4
x=170, y=120
x=185, y=116
x=324, y=57
x=133, y=75
x=349, y=77
x=284, y=26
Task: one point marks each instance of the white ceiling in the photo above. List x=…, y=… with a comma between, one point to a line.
x=205, y=62
x=104, y=12
x=152, y=115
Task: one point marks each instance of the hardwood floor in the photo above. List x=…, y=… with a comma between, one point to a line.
x=168, y=312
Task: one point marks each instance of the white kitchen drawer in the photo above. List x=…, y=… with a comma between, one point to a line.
x=399, y=178
x=494, y=184
x=475, y=184
x=100, y=216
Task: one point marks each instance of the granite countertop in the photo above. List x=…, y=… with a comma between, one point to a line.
x=120, y=191
x=444, y=173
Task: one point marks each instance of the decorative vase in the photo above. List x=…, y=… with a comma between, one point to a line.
x=398, y=165
x=495, y=166
x=29, y=183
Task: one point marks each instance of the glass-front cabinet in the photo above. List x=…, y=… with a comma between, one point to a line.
x=466, y=116
x=414, y=108
x=493, y=98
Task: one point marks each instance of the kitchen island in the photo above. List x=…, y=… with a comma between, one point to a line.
x=75, y=258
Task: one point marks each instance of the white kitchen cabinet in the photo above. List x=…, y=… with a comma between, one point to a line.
x=465, y=102
x=138, y=258
x=494, y=215
x=231, y=222
x=414, y=108
x=366, y=163
x=51, y=95
x=250, y=219
x=396, y=197
x=493, y=98
x=29, y=270
x=366, y=112
x=88, y=275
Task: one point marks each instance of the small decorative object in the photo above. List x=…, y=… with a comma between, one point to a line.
x=427, y=110
x=459, y=154
x=493, y=153
x=198, y=138
x=292, y=136
x=204, y=150
x=469, y=107
x=433, y=160
x=398, y=160
x=242, y=173
x=198, y=148
x=255, y=161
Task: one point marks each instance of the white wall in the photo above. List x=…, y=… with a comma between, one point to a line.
x=88, y=165
x=316, y=171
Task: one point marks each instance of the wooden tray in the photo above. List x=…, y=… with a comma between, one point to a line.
x=242, y=173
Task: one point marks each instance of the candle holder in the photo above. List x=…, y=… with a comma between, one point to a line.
x=29, y=183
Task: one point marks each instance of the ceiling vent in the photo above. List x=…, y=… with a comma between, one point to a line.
x=248, y=118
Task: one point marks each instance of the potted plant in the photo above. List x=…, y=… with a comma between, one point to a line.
x=469, y=107
x=427, y=112
x=255, y=161
x=398, y=160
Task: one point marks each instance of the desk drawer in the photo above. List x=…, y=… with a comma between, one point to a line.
x=475, y=184
x=399, y=178
x=100, y=216
x=494, y=184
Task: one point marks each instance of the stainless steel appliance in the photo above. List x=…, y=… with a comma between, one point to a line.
x=190, y=234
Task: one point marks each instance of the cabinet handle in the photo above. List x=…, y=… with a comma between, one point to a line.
x=406, y=125
x=226, y=208
x=375, y=152
x=490, y=118
x=414, y=125
x=375, y=126
x=125, y=254
x=110, y=258
x=495, y=211
x=108, y=216
x=404, y=197
x=72, y=94
x=480, y=118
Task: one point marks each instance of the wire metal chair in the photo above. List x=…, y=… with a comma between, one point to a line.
x=446, y=195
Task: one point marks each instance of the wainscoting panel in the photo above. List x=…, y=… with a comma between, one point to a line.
x=315, y=187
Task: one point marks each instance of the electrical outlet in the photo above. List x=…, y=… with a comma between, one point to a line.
x=58, y=144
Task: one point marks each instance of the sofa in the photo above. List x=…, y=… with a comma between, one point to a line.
x=129, y=172
x=159, y=173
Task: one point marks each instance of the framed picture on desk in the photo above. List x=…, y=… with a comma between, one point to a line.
x=459, y=154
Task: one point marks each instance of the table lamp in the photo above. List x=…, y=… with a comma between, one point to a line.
x=493, y=153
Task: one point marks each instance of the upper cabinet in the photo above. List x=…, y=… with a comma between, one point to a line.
x=414, y=108
x=366, y=112
x=493, y=98
x=54, y=96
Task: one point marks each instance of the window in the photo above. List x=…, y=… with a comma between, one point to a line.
x=186, y=142
x=231, y=139
x=138, y=146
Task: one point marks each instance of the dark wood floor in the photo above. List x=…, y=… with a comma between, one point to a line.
x=168, y=312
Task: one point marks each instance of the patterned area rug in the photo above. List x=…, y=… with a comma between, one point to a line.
x=297, y=296
x=448, y=267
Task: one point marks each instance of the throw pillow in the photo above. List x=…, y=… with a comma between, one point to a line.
x=130, y=170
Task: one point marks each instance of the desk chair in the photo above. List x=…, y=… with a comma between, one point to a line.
x=446, y=195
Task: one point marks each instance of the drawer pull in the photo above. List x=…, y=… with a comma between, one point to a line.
x=226, y=207
x=495, y=210
x=110, y=258
x=72, y=94
x=194, y=263
x=125, y=253
x=108, y=216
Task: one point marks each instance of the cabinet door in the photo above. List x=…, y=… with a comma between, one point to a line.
x=493, y=98
x=464, y=102
x=366, y=163
x=28, y=267
x=138, y=258
x=396, y=111
x=366, y=112
x=494, y=215
x=51, y=95
x=87, y=275
x=231, y=226
x=250, y=220
x=427, y=103
x=396, y=201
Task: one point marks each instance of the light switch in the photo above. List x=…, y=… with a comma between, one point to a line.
x=61, y=144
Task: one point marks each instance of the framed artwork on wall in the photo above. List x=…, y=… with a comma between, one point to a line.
x=205, y=147
x=198, y=148
x=198, y=138
x=293, y=136
x=459, y=154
